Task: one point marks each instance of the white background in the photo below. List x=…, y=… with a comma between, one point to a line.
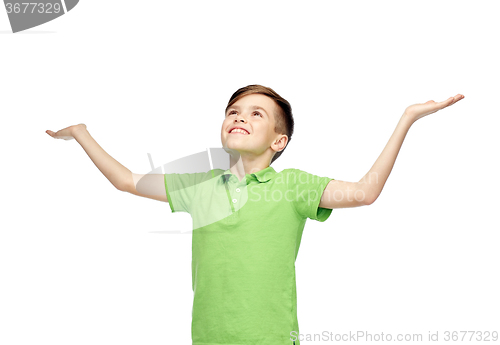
x=80, y=262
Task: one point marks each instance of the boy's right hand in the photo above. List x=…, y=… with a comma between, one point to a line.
x=66, y=133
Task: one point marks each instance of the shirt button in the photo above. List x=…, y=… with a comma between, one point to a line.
x=234, y=201
x=237, y=189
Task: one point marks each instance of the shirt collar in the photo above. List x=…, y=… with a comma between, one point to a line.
x=262, y=176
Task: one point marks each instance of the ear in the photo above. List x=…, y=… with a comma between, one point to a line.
x=280, y=143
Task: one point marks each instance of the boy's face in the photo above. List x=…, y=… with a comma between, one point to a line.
x=255, y=114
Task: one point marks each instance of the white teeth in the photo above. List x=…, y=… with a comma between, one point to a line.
x=239, y=131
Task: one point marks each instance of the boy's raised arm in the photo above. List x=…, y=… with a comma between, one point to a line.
x=150, y=186
x=338, y=194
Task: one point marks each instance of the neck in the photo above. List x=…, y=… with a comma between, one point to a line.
x=240, y=164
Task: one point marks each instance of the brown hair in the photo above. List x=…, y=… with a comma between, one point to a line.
x=283, y=116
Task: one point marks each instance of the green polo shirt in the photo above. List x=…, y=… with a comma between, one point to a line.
x=246, y=236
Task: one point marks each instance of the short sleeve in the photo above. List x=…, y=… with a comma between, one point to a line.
x=307, y=190
x=181, y=189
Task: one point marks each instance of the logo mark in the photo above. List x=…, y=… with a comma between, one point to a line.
x=26, y=15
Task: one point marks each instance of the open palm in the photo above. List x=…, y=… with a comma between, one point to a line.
x=65, y=133
x=417, y=111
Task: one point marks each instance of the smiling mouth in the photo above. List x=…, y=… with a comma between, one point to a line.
x=239, y=131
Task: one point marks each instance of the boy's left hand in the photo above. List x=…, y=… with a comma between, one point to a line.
x=417, y=111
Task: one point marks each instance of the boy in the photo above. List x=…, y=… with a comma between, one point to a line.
x=248, y=219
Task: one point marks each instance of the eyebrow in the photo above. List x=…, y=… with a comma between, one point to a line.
x=253, y=107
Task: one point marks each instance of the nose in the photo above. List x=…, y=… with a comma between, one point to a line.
x=239, y=118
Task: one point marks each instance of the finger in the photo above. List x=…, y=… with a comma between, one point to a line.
x=447, y=102
x=457, y=98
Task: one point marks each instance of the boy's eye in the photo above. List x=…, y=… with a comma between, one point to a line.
x=234, y=111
